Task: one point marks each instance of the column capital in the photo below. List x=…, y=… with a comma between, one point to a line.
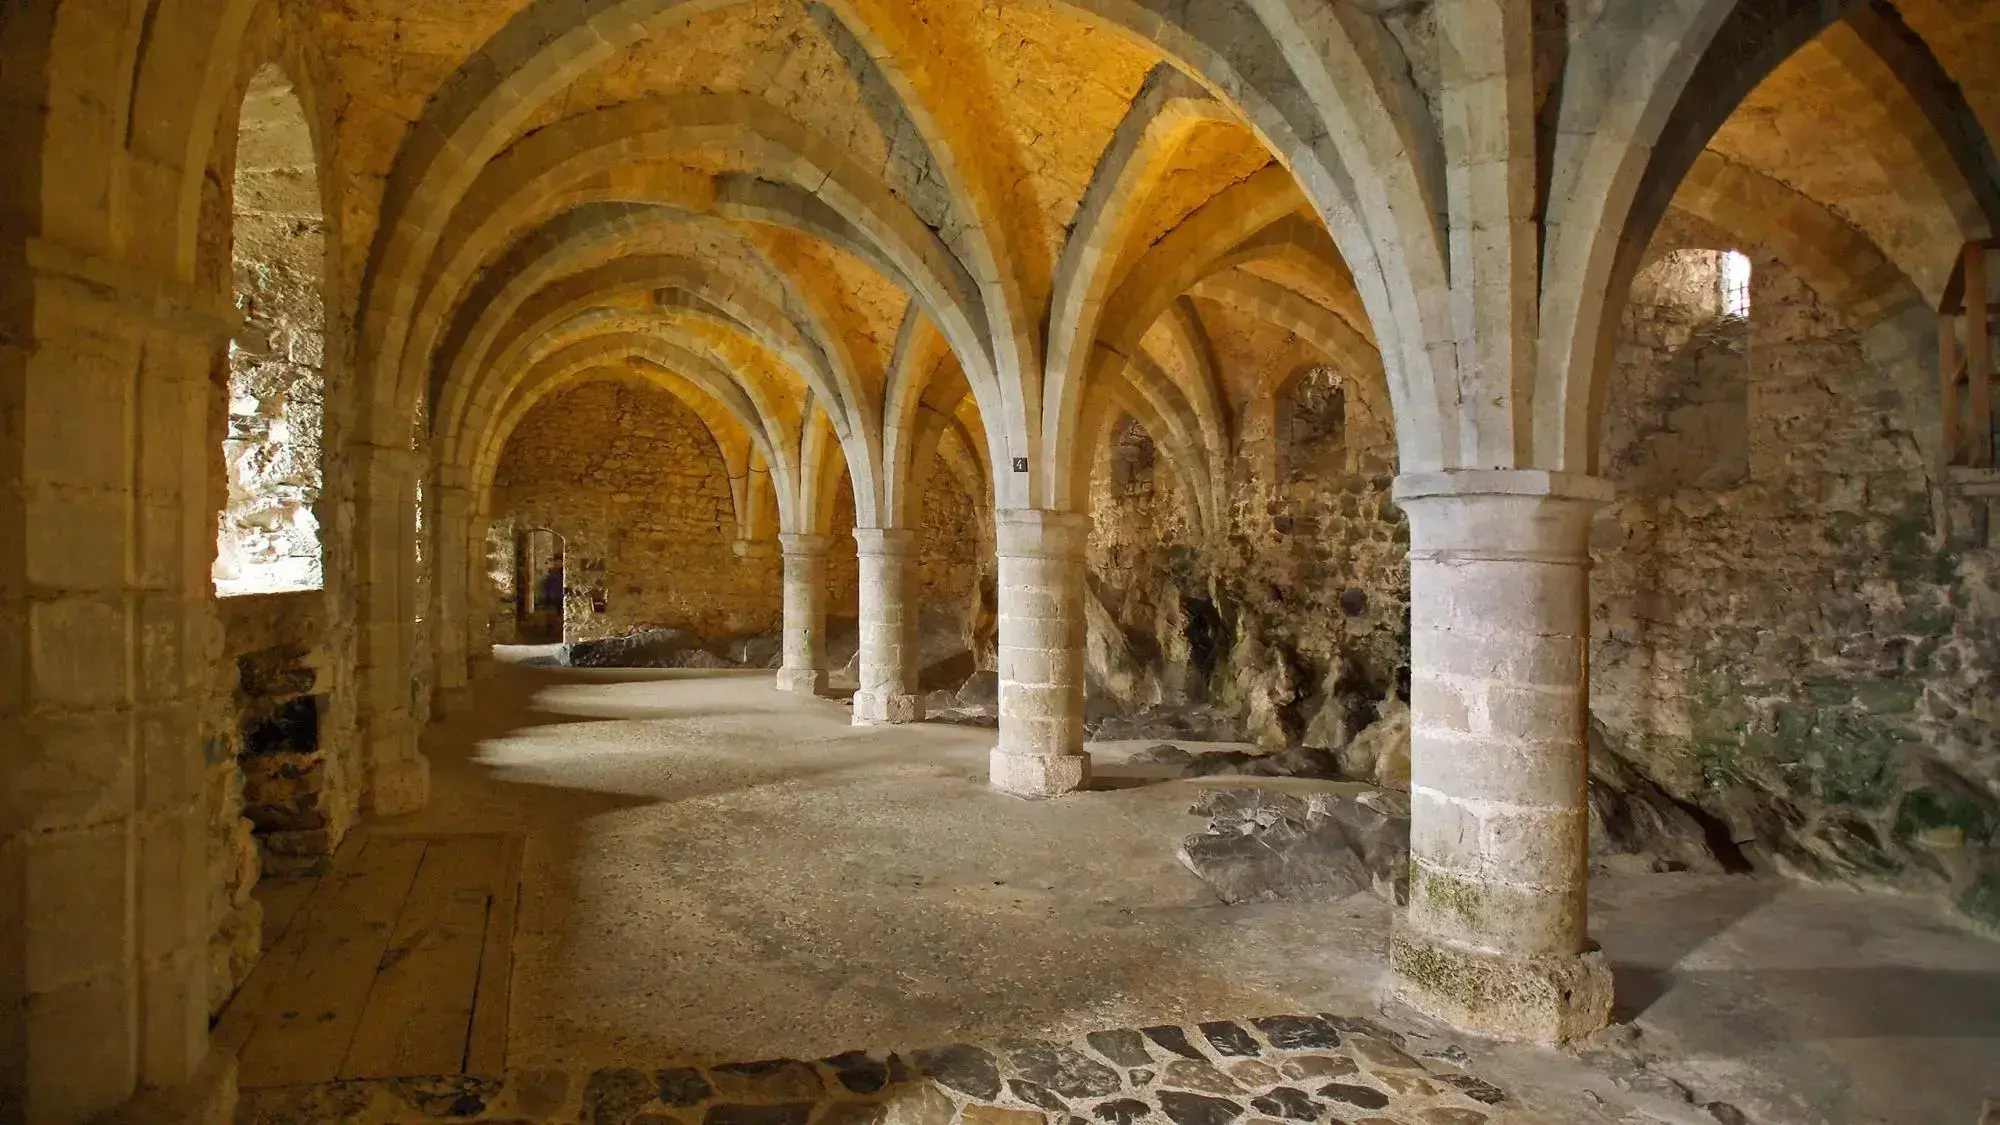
x=1039, y=533
x=885, y=540
x=454, y=478
x=383, y=457
x=164, y=303
x=796, y=544
x=1526, y=483
x=1523, y=515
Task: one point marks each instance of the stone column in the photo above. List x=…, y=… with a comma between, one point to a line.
x=385, y=550
x=1041, y=653
x=451, y=687
x=1495, y=938
x=804, y=670
x=480, y=597
x=888, y=691
x=107, y=617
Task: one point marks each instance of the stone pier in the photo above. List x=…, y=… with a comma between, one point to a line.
x=451, y=685
x=386, y=551
x=1495, y=938
x=889, y=691
x=1041, y=556
x=804, y=670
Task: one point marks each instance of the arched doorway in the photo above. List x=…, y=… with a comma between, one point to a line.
x=540, y=586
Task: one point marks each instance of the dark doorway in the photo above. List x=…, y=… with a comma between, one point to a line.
x=539, y=564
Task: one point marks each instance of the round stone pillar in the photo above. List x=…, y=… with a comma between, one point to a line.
x=1495, y=938
x=1041, y=653
x=804, y=670
x=888, y=692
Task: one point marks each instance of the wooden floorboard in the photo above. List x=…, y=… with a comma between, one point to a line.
x=398, y=964
x=307, y=1020
x=281, y=954
x=282, y=900
x=419, y=1011
x=486, y=1052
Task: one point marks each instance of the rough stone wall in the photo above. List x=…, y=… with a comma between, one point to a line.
x=632, y=480
x=283, y=785
x=843, y=558
x=956, y=595
x=502, y=609
x=1781, y=639
x=1293, y=620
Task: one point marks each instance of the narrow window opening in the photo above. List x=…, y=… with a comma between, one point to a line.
x=268, y=535
x=1735, y=285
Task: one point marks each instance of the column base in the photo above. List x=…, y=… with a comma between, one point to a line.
x=801, y=681
x=1037, y=775
x=399, y=787
x=873, y=710
x=208, y=1098
x=1547, y=1000
x=451, y=702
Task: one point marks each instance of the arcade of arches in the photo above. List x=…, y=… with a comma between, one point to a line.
x=1561, y=432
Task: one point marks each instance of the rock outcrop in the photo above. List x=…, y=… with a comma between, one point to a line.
x=1263, y=845
x=1381, y=752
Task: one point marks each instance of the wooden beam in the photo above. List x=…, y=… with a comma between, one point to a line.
x=1978, y=359
x=1949, y=366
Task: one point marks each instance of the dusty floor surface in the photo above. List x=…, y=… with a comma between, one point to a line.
x=718, y=871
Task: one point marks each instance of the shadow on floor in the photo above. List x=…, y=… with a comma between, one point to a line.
x=1647, y=938
x=1862, y=1002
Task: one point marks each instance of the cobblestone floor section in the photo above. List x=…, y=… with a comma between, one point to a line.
x=1323, y=1068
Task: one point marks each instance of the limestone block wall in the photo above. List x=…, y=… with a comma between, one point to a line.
x=1781, y=637
x=632, y=480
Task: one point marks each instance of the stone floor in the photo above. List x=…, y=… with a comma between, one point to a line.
x=715, y=871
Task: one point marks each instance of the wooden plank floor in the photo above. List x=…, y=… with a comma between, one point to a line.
x=396, y=964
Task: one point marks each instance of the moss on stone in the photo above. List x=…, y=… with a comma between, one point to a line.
x=1927, y=810
x=1981, y=900
x=1461, y=898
